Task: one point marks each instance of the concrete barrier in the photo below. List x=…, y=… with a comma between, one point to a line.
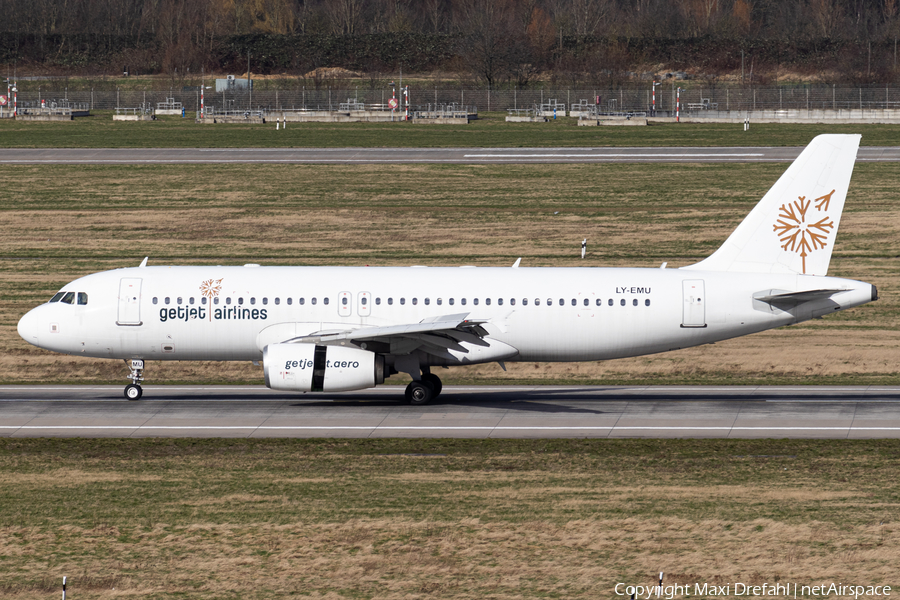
x=526, y=119
x=636, y=122
x=134, y=117
x=219, y=119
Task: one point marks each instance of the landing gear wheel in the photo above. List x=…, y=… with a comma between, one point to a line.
x=435, y=382
x=419, y=393
x=133, y=392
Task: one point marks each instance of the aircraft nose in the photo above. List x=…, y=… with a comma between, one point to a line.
x=28, y=327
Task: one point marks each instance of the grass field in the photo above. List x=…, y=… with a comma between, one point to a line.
x=61, y=222
x=255, y=519
x=100, y=131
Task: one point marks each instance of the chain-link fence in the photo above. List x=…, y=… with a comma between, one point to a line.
x=696, y=100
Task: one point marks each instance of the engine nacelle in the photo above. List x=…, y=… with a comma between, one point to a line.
x=312, y=368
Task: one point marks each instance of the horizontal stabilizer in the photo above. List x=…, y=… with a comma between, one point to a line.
x=796, y=298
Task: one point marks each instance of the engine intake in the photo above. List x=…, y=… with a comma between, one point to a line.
x=312, y=368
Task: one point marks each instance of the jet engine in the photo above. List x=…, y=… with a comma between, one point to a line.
x=313, y=368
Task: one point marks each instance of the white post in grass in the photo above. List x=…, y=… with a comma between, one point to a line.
x=64, y=588
x=583, y=246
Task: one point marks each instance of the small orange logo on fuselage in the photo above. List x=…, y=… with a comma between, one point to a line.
x=210, y=289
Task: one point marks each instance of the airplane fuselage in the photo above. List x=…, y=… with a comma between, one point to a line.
x=544, y=314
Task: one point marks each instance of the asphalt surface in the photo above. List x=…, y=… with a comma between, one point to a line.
x=462, y=412
x=137, y=156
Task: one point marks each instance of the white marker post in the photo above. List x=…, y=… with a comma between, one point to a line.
x=583, y=246
x=678, y=106
x=64, y=588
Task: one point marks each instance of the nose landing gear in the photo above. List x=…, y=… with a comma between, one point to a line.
x=133, y=390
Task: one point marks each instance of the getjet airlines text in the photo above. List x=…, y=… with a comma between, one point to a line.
x=790, y=590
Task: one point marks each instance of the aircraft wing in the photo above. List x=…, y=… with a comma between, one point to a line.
x=436, y=334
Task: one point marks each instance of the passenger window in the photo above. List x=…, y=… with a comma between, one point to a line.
x=289, y=301
x=524, y=301
x=599, y=302
x=427, y=301
x=390, y=301
x=215, y=300
x=324, y=300
x=634, y=302
x=402, y=301
x=647, y=302
x=622, y=302
x=537, y=301
x=487, y=301
x=227, y=301
x=178, y=301
x=562, y=302
x=240, y=301
x=191, y=300
x=574, y=302
x=475, y=301
x=610, y=301
x=450, y=301
x=587, y=302
x=378, y=301
x=265, y=301
x=252, y=300
x=415, y=301
x=312, y=301
x=301, y=301
x=550, y=301
x=344, y=300
x=58, y=295
x=439, y=301
x=167, y=300
x=155, y=300
x=277, y=300
x=82, y=298
x=69, y=298
x=203, y=300
x=364, y=301
x=463, y=301
x=512, y=301
x=499, y=301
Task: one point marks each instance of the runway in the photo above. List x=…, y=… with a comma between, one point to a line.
x=139, y=156
x=460, y=412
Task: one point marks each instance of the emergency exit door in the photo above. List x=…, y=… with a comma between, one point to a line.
x=129, y=301
x=694, y=311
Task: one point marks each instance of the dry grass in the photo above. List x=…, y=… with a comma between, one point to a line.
x=507, y=519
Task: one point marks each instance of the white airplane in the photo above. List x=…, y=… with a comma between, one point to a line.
x=348, y=328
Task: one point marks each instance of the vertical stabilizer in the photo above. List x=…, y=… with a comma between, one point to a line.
x=793, y=228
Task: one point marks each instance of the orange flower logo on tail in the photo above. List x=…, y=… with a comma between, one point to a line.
x=796, y=233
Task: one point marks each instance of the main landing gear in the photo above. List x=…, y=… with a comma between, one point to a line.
x=424, y=390
x=133, y=390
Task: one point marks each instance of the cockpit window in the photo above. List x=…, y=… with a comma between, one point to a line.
x=82, y=298
x=69, y=298
x=57, y=296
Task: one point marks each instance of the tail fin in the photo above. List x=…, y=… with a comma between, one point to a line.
x=793, y=228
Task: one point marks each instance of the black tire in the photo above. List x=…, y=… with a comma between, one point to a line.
x=435, y=382
x=133, y=392
x=419, y=393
